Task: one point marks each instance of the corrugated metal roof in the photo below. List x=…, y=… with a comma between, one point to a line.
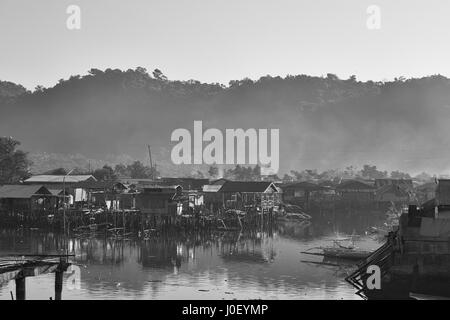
x=388, y=181
x=186, y=183
x=398, y=191
x=212, y=187
x=245, y=186
x=22, y=191
x=220, y=181
x=136, y=181
x=159, y=189
x=98, y=184
x=429, y=186
x=59, y=179
x=304, y=185
x=354, y=185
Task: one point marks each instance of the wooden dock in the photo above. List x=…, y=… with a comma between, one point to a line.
x=19, y=267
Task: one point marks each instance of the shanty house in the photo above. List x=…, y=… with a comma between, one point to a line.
x=426, y=191
x=439, y=207
x=392, y=193
x=219, y=181
x=192, y=184
x=354, y=190
x=213, y=199
x=60, y=197
x=403, y=183
x=102, y=193
x=301, y=192
x=61, y=182
x=241, y=194
x=158, y=200
x=25, y=198
x=185, y=183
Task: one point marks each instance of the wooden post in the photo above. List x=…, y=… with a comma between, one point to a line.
x=58, y=284
x=123, y=222
x=20, y=288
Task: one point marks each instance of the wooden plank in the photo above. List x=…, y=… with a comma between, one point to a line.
x=8, y=276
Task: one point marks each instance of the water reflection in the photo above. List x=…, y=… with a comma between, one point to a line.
x=264, y=264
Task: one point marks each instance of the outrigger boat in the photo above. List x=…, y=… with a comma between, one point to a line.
x=340, y=251
x=118, y=233
x=345, y=253
x=418, y=296
x=292, y=213
x=297, y=216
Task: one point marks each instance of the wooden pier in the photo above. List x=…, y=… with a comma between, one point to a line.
x=20, y=267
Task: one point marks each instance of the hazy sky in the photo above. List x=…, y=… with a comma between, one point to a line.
x=221, y=40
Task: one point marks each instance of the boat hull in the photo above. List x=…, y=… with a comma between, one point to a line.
x=345, y=253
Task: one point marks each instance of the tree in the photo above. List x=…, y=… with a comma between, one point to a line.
x=297, y=175
x=121, y=170
x=153, y=173
x=14, y=164
x=95, y=72
x=138, y=170
x=400, y=175
x=81, y=171
x=142, y=70
x=39, y=88
x=57, y=172
x=256, y=173
x=305, y=175
x=273, y=177
x=371, y=172
x=197, y=174
x=332, y=76
x=213, y=171
x=105, y=174
x=352, y=78
x=424, y=177
x=157, y=74
x=242, y=173
x=350, y=172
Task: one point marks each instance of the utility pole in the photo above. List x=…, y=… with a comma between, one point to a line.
x=151, y=163
x=64, y=208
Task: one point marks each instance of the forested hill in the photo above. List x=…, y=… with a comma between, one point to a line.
x=324, y=122
x=9, y=91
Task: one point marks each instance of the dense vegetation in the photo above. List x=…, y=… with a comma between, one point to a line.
x=326, y=123
x=15, y=165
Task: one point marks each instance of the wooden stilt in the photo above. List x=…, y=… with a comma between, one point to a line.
x=58, y=284
x=20, y=288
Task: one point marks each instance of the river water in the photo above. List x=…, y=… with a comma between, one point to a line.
x=262, y=264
